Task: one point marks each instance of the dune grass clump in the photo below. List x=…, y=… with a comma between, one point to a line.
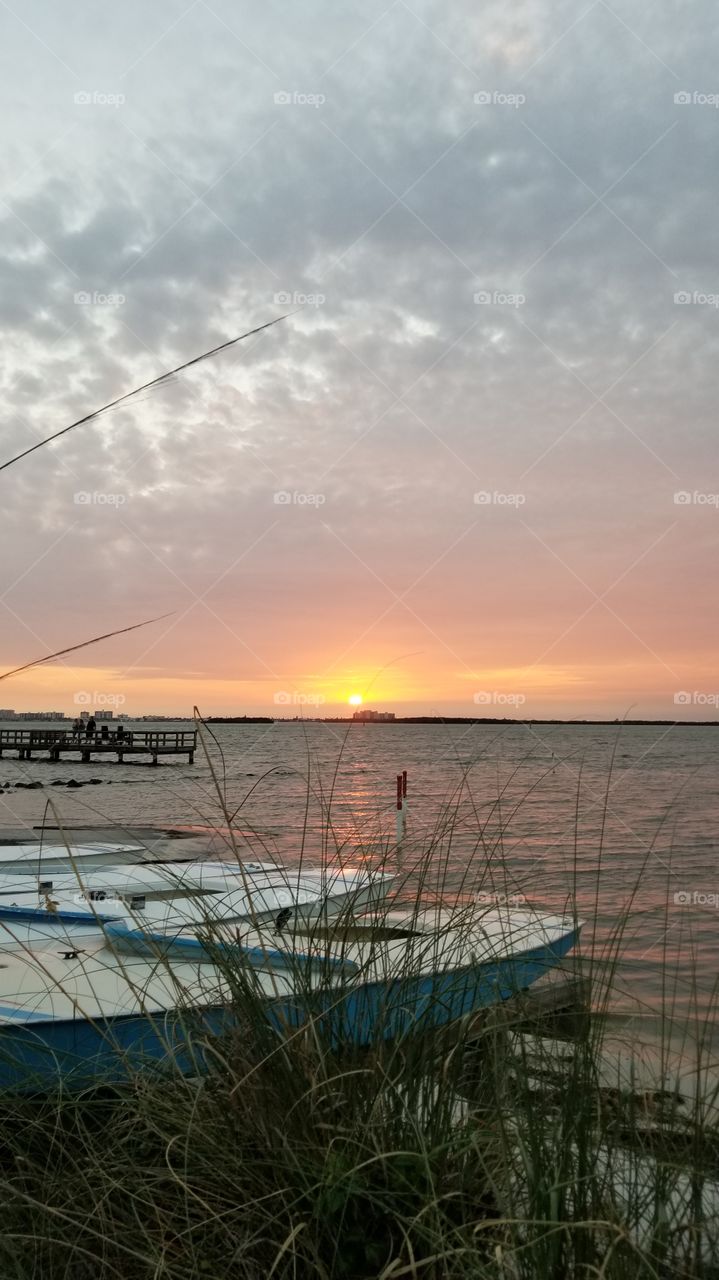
x=298, y=1163
x=441, y=1158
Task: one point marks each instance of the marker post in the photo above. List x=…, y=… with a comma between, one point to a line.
x=401, y=806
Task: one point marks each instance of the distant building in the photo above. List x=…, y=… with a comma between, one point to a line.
x=7, y=714
x=40, y=715
x=104, y=715
x=373, y=716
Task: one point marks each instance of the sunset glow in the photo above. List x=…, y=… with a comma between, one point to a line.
x=355, y=700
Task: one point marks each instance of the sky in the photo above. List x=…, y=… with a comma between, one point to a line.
x=474, y=472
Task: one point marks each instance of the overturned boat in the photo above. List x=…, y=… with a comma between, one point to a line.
x=140, y=999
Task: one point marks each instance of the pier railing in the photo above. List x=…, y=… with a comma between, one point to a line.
x=114, y=740
x=24, y=737
x=182, y=740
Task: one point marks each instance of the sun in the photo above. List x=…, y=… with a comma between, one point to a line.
x=355, y=700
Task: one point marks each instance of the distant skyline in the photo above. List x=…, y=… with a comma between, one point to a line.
x=382, y=718
x=476, y=473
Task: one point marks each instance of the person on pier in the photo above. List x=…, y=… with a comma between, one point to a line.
x=90, y=727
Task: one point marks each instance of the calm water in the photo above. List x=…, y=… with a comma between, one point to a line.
x=619, y=820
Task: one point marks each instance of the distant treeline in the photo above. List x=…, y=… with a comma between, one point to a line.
x=239, y=720
x=688, y=724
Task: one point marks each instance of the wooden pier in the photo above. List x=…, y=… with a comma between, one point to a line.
x=56, y=743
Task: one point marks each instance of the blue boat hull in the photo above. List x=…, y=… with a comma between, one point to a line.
x=46, y=1052
x=365, y=1014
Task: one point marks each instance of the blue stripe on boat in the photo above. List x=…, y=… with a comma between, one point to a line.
x=24, y=1015
x=41, y=915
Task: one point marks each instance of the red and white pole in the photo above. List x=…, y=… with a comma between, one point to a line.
x=401, y=805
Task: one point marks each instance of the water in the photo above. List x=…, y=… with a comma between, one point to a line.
x=619, y=819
